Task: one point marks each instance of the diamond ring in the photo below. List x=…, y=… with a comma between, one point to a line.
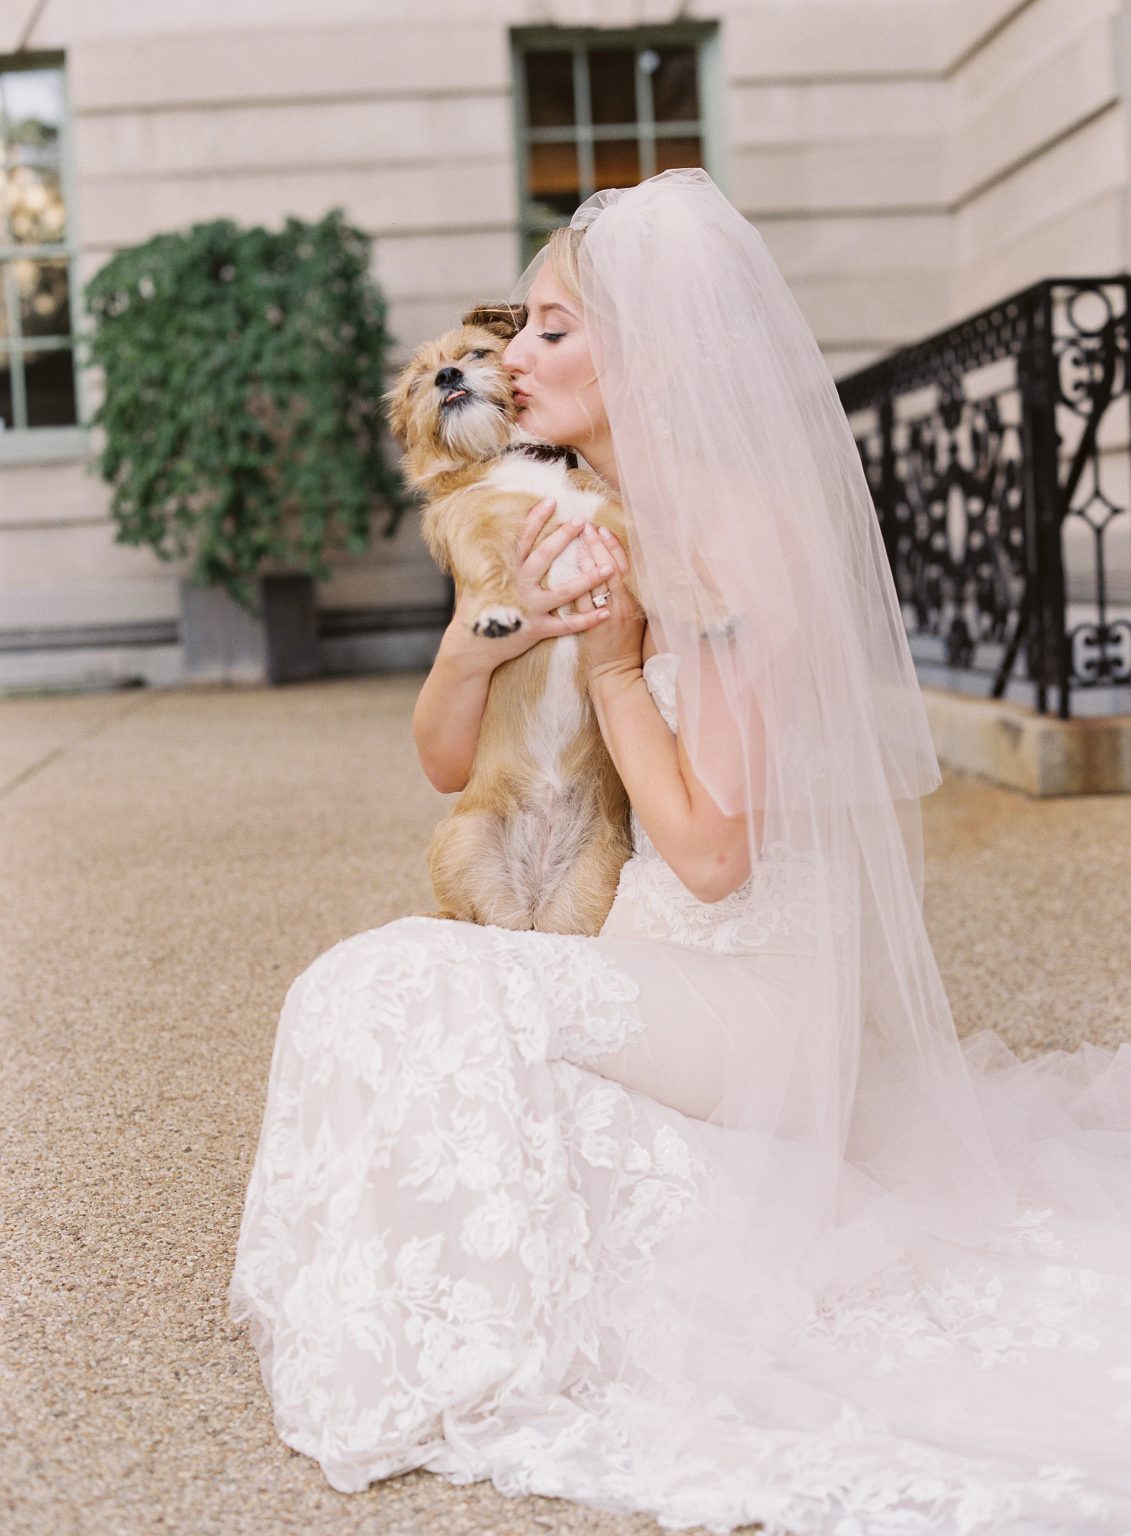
x=600, y=599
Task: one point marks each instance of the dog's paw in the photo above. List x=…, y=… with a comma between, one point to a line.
x=493, y=622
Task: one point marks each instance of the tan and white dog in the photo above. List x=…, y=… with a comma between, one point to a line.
x=538, y=837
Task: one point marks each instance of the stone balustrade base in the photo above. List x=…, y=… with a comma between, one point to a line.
x=1012, y=745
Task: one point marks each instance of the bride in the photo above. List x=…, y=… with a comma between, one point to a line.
x=712, y=1216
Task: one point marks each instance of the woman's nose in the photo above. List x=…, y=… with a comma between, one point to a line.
x=512, y=360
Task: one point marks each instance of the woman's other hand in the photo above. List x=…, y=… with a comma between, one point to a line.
x=538, y=603
x=618, y=644
x=449, y=708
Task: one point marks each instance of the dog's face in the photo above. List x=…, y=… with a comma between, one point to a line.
x=454, y=401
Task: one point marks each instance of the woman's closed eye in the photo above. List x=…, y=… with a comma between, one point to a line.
x=551, y=335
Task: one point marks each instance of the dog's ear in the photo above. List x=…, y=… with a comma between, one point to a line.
x=396, y=403
x=505, y=320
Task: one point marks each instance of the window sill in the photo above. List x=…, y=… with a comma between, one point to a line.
x=44, y=445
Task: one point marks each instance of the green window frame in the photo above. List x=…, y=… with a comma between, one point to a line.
x=581, y=76
x=39, y=278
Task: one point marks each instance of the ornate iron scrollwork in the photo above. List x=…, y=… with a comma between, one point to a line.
x=992, y=495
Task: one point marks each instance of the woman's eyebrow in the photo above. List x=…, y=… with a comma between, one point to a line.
x=546, y=308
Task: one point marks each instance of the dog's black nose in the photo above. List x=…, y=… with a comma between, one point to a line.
x=449, y=376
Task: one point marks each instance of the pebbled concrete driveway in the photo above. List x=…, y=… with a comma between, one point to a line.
x=172, y=859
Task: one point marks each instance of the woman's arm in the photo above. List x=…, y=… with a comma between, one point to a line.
x=708, y=851
x=449, y=710
x=449, y=707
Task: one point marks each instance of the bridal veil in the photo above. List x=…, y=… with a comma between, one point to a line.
x=954, y=1223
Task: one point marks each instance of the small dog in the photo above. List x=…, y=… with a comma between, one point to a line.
x=539, y=835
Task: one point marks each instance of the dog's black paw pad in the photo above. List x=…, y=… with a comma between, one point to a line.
x=493, y=622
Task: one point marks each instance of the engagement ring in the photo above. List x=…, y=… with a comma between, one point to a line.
x=601, y=598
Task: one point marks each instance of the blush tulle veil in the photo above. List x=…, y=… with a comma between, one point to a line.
x=930, y=1253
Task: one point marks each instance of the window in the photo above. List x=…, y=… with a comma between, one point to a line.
x=38, y=392
x=605, y=109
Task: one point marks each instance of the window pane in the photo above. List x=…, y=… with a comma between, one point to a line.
x=616, y=163
x=675, y=90
x=7, y=410
x=43, y=289
x=31, y=105
x=36, y=215
x=612, y=85
x=554, y=187
x=50, y=382
x=549, y=89
x=671, y=154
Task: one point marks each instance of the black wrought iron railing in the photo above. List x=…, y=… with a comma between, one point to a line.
x=997, y=452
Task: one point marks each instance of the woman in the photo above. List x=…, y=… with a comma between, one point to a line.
x=711, y=1216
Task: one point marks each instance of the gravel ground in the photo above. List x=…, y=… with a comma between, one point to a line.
x=173, y=859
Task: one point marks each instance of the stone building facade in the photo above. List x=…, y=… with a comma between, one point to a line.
x=907, y=162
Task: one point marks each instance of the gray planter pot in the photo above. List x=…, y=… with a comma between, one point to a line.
x=223, y=643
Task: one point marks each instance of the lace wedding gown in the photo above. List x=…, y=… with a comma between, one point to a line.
x=486, y=1234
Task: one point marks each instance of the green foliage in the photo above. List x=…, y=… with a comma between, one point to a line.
x=244, y=371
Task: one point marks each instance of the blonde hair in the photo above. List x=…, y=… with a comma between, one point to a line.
x=562, y=252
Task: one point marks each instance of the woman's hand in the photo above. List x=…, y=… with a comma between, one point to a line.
x=449, y=708
x=538, y=603
x=616, y=646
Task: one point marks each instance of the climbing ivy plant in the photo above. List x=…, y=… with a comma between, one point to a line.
x=242, y=413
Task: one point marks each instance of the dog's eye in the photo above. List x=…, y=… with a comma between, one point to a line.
x=480, y=352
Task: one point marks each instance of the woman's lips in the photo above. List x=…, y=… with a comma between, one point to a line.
x=520, y=397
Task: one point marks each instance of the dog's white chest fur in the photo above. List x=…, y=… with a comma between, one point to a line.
x=544, y=477
x=557, y=718
x=545, y=837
